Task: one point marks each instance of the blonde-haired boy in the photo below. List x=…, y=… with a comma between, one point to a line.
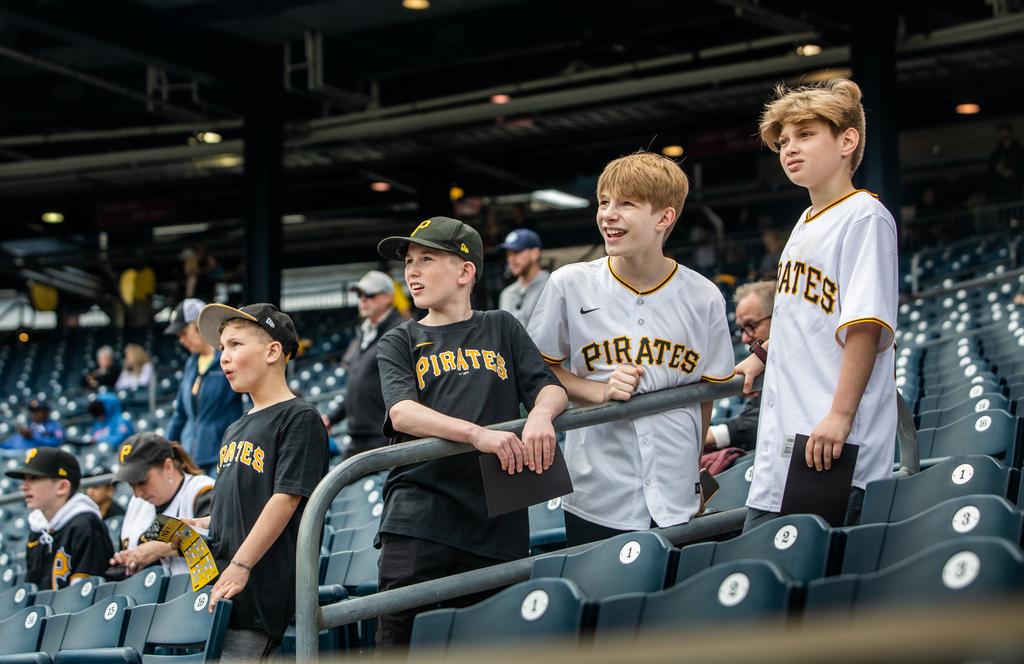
x=830, y=366
x=633, y=322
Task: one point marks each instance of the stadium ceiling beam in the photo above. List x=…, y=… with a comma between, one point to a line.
x=157, y=105
x=412, y=118
x=136, y=33
x=766, y=18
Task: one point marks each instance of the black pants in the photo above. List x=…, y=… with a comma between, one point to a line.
x=854, y=507
x=581, y=531
x=408, y=560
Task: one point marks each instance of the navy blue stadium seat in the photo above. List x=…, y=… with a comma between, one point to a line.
x=179, y=630
x=20, y=636
x=736, y=591
x=72, y=598
x=177, y=584
x=801, y=545
x=733, y=486
x=547, y=526
x=351, y=539
x=896, y=499
x=102, y=625
x=349, y=573
x=968, y=568
x=523, y=615
x=630, y=562
x=942, y=416
x=874, y=546
x=16, y=598
x=992, y=432
x=146, y=586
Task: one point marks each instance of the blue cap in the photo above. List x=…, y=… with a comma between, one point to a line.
x=522, y=238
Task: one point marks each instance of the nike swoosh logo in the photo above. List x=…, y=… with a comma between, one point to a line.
x=587, y=311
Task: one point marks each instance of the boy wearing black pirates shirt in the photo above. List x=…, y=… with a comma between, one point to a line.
x=269, y=462
x=69, y=541
x=450, y=375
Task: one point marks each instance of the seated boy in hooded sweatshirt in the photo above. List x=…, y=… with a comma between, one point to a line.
x=69, y=541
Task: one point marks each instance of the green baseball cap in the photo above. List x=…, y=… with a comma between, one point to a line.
x=443, y=233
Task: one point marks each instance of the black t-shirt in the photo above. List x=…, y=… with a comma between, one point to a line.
x=115, y=510
x=479, y=370
x=279, y=449
x=80, y=549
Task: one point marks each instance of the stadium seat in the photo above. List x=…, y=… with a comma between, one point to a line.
x=177, y=584
x=180, y=630
x=102, y=625
x=873, y=546
x=948, y=398
x=524, y=614
x=630, y=562
x=351, y=539
x=733, y=486
x=355, y=517
x=896, y=499
x=731, y=592
x=72, y=598
x=16, y=598
x=941, y=417
x=992, y=432
x=349, y=573
x=146, y=586
x=801, y=545
x=20, y=636
x=547, y=526
x=972, y=567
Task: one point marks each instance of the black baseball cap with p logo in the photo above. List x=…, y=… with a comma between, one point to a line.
x=138, y=453
x=443, y=233
x=277, y=324
x=50, y=462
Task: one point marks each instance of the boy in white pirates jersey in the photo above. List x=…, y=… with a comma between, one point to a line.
x=830, y=363
x=630, y=323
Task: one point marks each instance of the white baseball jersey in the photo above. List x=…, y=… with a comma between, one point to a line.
x=628, y=472
x=838, y=268
x=139, y=516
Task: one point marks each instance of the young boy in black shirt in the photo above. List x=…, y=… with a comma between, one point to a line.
x=270, y=460
x=69, y=541
x=450, y=375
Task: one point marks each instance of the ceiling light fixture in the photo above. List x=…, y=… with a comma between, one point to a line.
x=559, y=199
x=808, y=50
x=456, y=192
x=380, y=186
x=53, y=217
x=416, y=4
x=500, y=99
x=673, y=150
x=210, y=137
x=968, y=109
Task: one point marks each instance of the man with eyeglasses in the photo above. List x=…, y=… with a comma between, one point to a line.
x=364, y=401
x=522, y=253
x=754, y=303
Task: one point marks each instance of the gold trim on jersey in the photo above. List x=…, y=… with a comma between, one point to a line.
x=712, y=379
x=636, y=291
x=811, y=217
x=424, y=343
x=876, y=321
x=552, y=360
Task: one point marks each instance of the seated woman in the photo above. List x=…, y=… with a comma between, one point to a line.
x=137, y=371
x=165, y=480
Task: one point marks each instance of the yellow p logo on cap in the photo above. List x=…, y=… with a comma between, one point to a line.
x=31, y=454
x=126, y=449
x=423, y=224
x=464, y=248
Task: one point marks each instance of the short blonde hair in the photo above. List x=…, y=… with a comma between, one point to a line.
x=648, y=178
x=835, y=102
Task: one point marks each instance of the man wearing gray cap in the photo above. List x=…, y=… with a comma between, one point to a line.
x=522, y=254
x=364, y=402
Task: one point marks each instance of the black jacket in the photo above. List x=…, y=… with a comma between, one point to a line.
x=743, y=427
x=364, y=403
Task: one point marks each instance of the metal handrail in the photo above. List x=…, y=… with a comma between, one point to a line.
x=310, y=618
